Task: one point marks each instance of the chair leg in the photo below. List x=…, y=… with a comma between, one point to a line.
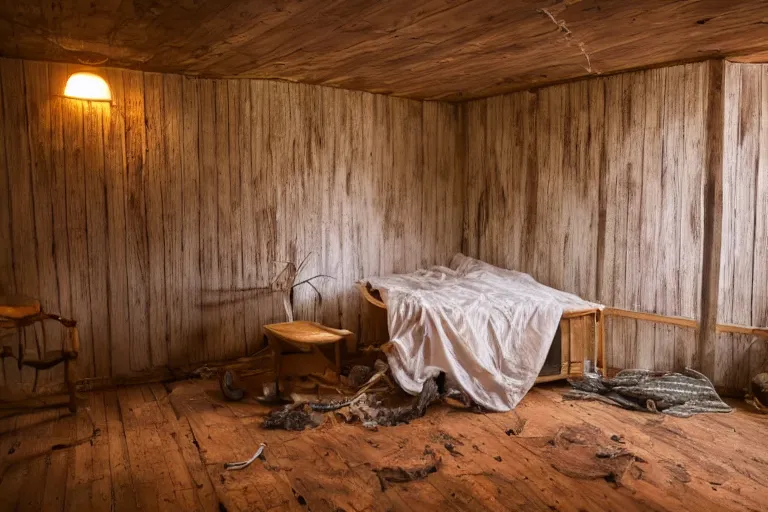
x=276, y=356
x=337, y=350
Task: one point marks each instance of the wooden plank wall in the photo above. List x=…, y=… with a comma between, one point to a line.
x=743, y=294
x=139, y=219
x=595, y=187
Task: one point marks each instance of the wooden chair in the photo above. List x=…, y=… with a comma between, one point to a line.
x=18, y=312
x=297, y=347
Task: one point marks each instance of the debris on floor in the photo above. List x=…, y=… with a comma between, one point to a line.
x=452, y=393
x=359, y=375
x=452, y=450
x=517, y=426
x=332, y=405
x=407, y=473
x=675, y=394
x=380, y=368
x=233, y=466
x=586, y=453
x=371, y=407
x=228, y=388
x=758, y=395
x=373, y=412
x=293, y=417
x=361, y=391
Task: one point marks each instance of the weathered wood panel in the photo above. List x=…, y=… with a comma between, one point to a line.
x=137, y=253
x=743, y=293
x=149, y=220
x=437, y=49
x=713, y=220
x=20, y=203
x=115, y=175
x=39, y=119
x=607, y=198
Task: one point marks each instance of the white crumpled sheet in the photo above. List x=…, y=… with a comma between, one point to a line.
x=487, y=328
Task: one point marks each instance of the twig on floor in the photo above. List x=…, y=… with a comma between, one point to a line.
x=233, y=466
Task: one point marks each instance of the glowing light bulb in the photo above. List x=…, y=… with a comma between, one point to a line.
x=87, y=86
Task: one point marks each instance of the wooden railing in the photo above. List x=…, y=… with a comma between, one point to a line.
x=688, y=323
x=652, y=317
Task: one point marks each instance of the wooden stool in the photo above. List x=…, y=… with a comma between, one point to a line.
x=296, y=348
x=18, y=312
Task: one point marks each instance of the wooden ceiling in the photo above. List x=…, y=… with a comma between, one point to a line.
x=435, y=49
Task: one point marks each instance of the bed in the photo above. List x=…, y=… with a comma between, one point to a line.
x=580, y=335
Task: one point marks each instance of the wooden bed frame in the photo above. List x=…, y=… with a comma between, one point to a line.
x=578, y=329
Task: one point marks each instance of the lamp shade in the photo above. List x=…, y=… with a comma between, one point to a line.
x=87, y=86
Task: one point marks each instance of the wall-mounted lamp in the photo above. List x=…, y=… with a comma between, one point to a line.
x=87, y=86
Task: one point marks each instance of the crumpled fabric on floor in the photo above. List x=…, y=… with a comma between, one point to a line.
x=675, y=394
x=488, y=328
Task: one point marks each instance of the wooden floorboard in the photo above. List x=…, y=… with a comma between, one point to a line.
x=158, y=447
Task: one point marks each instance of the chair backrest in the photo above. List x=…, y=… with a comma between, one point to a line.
x=18, y=307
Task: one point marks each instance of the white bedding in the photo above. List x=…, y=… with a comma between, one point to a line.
x=488, y=328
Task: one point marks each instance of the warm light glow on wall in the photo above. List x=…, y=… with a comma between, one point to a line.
x=87, y=86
